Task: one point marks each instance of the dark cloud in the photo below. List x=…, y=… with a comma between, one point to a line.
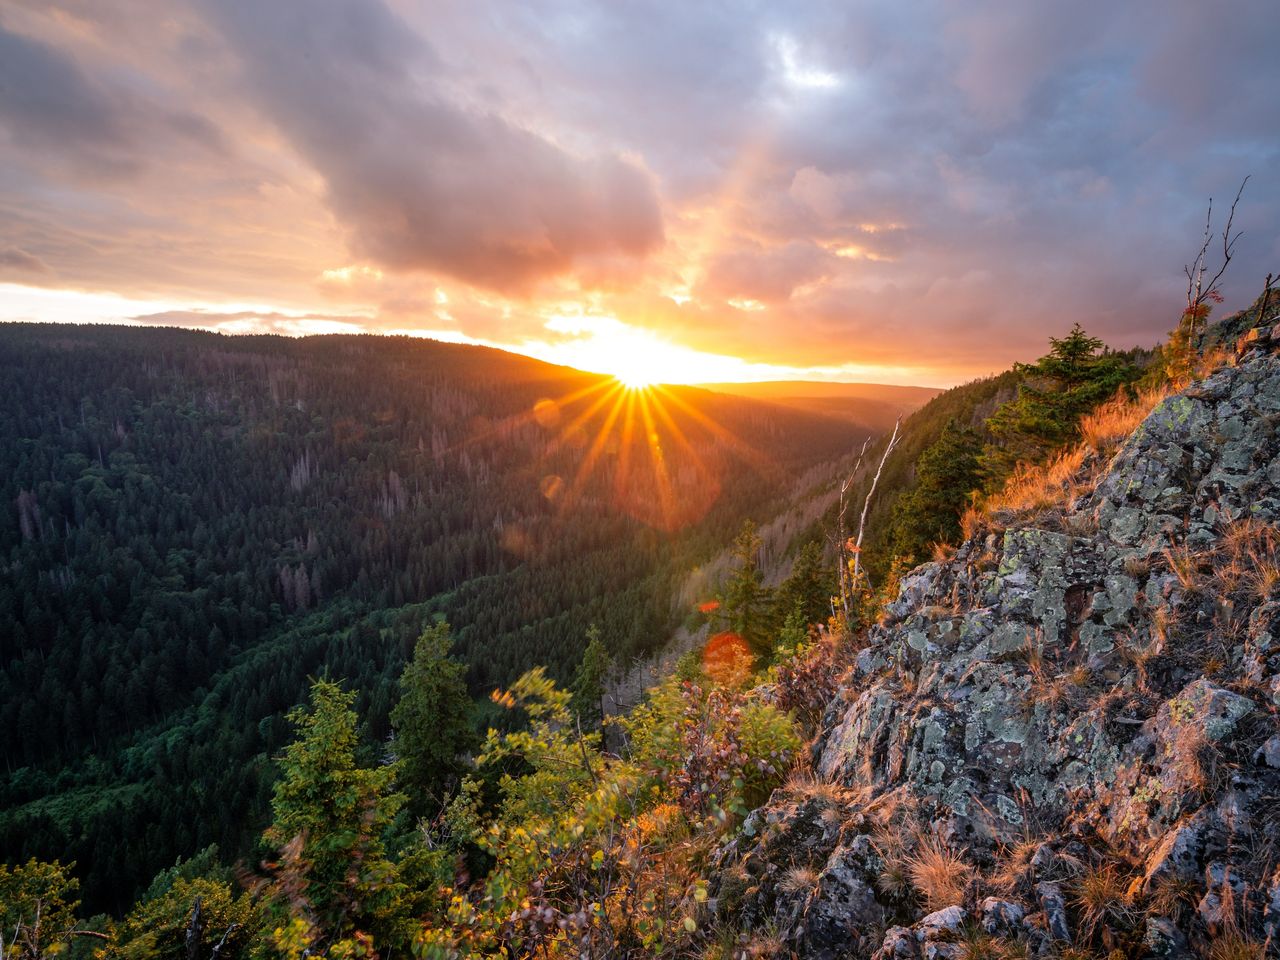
x=423, y=182
x=49, y=106
x=15, y=260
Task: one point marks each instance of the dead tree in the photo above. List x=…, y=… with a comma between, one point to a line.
x=1199, y=293
x=851, y=572
x=1265, y=302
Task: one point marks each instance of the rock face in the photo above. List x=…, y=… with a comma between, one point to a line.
x=1078, y=709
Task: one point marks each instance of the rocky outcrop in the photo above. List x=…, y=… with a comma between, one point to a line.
x=1079, y=708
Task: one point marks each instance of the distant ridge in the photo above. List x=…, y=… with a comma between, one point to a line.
x=875, y=404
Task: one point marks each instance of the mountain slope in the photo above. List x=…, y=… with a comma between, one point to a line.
x=195, y=524
x=1064, y=736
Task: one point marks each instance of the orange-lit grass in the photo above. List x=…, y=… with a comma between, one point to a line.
x=1033, y=490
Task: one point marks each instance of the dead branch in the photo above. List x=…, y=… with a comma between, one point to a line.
x=866, y=504
x=1197, y=291
x=1266, y=298
x=841, y=540
x=221, y=943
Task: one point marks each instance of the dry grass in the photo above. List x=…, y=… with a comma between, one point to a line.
x=1264, y=578
x=803, y=783
x=971, y=522
x=798, y=881
x=1014, y=871
x=1035, y=489
x=942, y=552
x=1236, y=946
x=1107, y=426
x=1186, y=566
x=1173, y=896
x=938, y=875
x=1102, y=894
x=1137, y=567
x=1163, y=622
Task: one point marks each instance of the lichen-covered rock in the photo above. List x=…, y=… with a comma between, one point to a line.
x=1093, y=688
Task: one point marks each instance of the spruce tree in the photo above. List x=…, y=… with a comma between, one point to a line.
x=806, y=593
x=946, y=474
x=588, y=681
x=746, y=603
x=432, y=722
x=1076, y=375
x=333, y=879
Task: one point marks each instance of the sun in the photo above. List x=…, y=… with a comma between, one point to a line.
x=637, y=358
x=636, y=379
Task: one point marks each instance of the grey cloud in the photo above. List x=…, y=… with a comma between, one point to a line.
x=61, y=115
x=14, y=259
x=423, y=182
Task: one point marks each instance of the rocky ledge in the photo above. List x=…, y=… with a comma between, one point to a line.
x=1065, y=736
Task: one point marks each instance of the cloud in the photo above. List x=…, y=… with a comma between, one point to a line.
x=933, y=185
x=13, y=259
x=766, y=275
x=420, y=181
x=50, y=105
x=252, y=321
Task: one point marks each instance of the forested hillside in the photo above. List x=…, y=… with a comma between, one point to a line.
x=195, y=525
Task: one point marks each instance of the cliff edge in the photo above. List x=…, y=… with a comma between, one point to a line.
x=1065, y=736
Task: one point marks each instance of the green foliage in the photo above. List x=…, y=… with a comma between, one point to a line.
x=197, y=524
x=220, y=919
x=432, y=721
x=333, y=886
x=1076, y=375
x=711, y=749
x=38, y=904
x=806, y=594
x=947, y=473
x=588, y=681
x=746, y=604
x=204, y=865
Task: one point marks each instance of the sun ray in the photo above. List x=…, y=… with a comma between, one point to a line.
x=594, y=451
x=657, y=457
x=750, y=453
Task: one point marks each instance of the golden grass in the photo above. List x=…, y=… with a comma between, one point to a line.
x=799, y=880
x=1184, y=564
x=1102, y=894
x=1108, y=425
x=938, y=875
x=1037, y=488
x=1034, y=489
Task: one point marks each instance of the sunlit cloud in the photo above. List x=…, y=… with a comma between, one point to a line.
x=865, y=192
x=796, y=71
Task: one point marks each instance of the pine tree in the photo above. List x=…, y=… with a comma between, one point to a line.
x=807, y=593
x=946, y=474
x=746, y=603
x=588, y=681
x=432, y=721
x=1076, y=375
x=333, y=879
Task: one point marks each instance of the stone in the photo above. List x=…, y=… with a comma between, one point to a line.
x=1051, y=675
x=1054, y=905
x=1269, y=752
x=942, y=924
x=1000, y=918
x=1163, y=939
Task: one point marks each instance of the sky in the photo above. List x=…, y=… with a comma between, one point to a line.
x=882, y=191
